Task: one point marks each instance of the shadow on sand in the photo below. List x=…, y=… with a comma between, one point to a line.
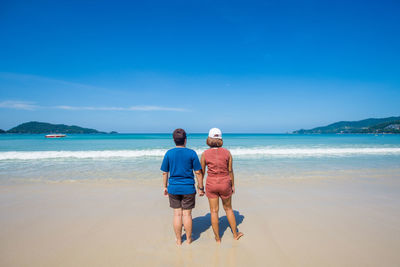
x=202, y=223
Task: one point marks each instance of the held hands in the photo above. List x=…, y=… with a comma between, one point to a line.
x=165, y=192
x=201, y=191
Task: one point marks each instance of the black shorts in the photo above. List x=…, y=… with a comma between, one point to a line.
x=186, y=202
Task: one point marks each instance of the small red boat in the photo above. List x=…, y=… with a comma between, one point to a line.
x=55, y=135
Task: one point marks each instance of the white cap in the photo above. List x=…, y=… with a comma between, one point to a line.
x=215, y=133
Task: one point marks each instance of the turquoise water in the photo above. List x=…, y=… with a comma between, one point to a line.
x=138, y=156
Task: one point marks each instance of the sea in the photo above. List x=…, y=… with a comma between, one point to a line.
x=256, y=157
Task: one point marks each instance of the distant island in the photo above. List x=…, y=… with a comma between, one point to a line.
x=35, y=127
x=390, y=125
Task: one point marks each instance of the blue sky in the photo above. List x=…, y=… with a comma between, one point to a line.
x=242, y=66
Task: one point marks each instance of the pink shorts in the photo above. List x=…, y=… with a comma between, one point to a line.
x=221, y=189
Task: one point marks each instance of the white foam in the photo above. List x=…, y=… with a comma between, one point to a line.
x=26, y=155
x=239, y=152
x=315, y=152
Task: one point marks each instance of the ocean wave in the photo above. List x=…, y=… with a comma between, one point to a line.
x=239, y=152
x=315, y=152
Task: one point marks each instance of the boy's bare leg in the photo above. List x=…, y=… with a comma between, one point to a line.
x=214, y=208
x=187, y=223
x=227, y=203
x=178, y=225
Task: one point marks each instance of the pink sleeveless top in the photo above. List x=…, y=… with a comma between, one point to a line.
x=217, y=161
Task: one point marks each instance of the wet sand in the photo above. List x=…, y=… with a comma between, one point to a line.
x=294, y=222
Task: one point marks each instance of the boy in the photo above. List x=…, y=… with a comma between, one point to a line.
x=180, y=162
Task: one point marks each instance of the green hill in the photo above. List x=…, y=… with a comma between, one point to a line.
x=384, y=125
x=2, y=131
x=35, y=127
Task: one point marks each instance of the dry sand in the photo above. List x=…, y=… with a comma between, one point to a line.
x=293, y=222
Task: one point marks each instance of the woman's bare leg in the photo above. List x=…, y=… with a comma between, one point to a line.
x=178, y=225
x=214, y=208
x=227, y=203
x=187, y=223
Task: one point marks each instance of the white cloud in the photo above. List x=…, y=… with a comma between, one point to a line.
x=132, y=108
x=27, y=105
x=24, y=105
x=155, y=108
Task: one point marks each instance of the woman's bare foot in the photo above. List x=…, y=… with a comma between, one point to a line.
x=218, y=240
x=178, y=242
x=238, y=235
x=189, y=240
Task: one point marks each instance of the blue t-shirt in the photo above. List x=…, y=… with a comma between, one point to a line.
x=180, y=163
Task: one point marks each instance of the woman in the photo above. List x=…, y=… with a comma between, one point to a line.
x=220, y=181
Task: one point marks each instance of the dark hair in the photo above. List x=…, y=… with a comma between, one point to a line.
x=214, y=142
x=179, y=136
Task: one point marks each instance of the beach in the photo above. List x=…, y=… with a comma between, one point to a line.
x=297, y=222
x=304, y=95
x=96, y=200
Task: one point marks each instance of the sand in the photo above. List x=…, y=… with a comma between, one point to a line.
x=293, y=222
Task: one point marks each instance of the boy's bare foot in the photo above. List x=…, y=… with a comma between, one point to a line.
x=238, y=235
x=218, y=240
x=189, y=240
